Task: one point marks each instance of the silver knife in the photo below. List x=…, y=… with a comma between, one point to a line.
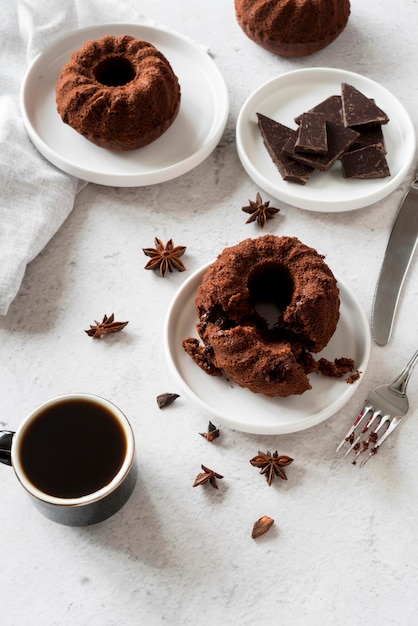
x=399, y=252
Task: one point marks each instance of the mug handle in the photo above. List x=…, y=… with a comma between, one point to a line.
x=6, y=437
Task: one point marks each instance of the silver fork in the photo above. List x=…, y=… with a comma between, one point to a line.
x=382, y=412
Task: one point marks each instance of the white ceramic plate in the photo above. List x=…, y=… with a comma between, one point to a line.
x=288, y=95
x=243, y=410
x=191, y=138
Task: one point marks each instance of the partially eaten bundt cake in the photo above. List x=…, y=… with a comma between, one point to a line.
x=267, y=356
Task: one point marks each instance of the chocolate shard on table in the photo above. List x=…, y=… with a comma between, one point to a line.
x=312, y=134
x=369, y=136
x=275, y=135
x=367, y=162
x=359, y=110
x=331, y=107
x=339, y=139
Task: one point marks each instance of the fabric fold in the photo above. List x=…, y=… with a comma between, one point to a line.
x=35, y=196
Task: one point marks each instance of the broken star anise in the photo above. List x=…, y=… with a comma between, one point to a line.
x=259, y=211
x=106, y=326
x=206, y=476
x=165, y=257
x=271, y=465
x=213, y=432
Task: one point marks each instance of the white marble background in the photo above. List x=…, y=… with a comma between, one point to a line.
x=343, y=549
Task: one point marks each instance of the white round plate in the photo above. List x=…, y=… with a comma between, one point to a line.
x=288, y=95
x=194, y=134
x=249, y=412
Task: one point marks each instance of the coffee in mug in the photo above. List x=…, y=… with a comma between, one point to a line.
x=75, y=456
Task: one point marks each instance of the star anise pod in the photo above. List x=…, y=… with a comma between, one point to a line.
x=206, y=476
x=213, y=432
x=106, y=326
x=259, y=211
x=165, y=257
x=271, y=465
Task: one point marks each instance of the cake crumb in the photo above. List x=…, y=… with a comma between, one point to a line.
x=352, y=379
x=200, y=355
x=336, y=369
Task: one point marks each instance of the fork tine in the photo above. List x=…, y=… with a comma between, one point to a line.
x=393, y=424
x=352, y=428
x=372, y=438
x=365, y=428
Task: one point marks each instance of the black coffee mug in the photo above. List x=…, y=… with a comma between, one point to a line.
x=75, y=457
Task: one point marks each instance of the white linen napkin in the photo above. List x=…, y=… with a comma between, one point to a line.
x=35, y=196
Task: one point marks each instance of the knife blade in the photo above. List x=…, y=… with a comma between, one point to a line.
x=399, y=252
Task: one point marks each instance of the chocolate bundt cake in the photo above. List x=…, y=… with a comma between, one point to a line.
x=292, y=28
x=270, y=357
x=118, y=92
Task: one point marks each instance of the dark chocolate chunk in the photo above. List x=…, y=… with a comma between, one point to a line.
x=359, y=110
x=312, y=134
x=369, y=136
x=275, y=135
x=368, y=162
x=165, y=399
x=339, y=139
x=332, y=108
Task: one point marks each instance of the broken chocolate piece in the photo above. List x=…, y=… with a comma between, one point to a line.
x=369, y=136
x=339, y=139
x=332, y=108
x=367, y=162
x=165, y=399
x=359, y=110
x=275, y=135
x=312, y=134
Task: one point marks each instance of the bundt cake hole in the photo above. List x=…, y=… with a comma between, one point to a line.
x=271, y=290
x=114, y=71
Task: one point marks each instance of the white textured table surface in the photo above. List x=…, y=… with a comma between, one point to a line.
x=343, y=549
